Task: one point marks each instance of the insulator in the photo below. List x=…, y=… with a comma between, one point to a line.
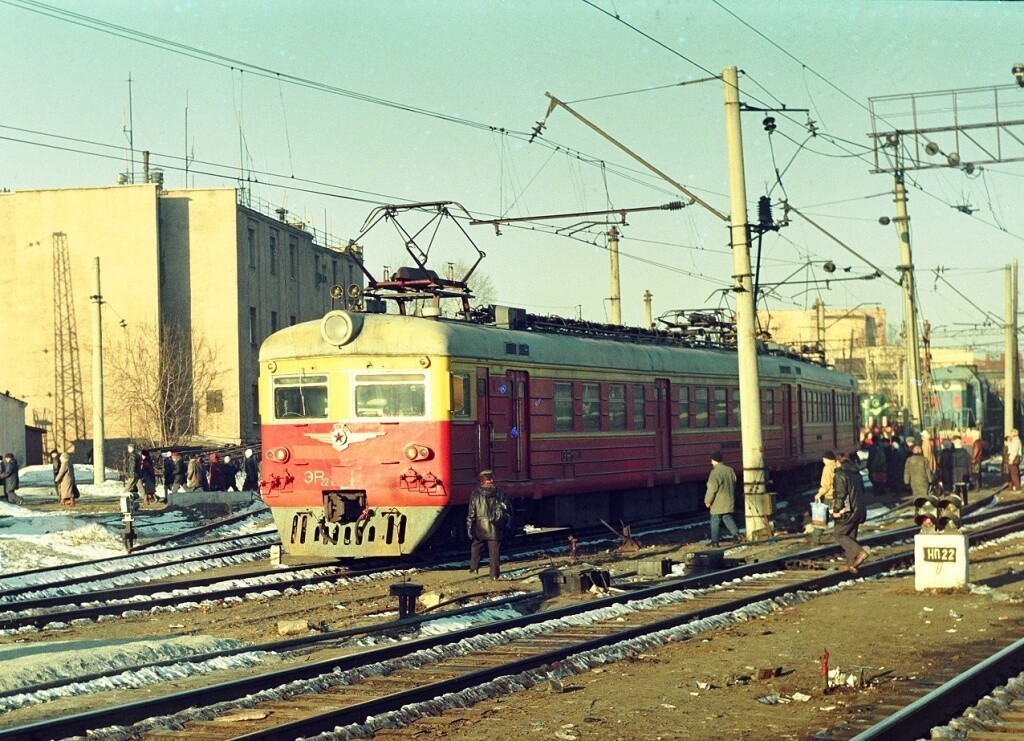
x=769, y=124
x=764, y=212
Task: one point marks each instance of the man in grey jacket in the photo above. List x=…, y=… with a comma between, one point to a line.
x=720, y=499
x=488, y=521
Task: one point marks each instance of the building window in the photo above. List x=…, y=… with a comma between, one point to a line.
x=256, y=404
x=273, y=321
x=252, y=246
x=252, y=325
x=292, y=261
x=273, y=252
x=214, y=402
x=721, y=408
x=563, y=406
x=701, y=408
x=292, y=321
x=591, y=407
x=639, y=408
x=616, y=407
x=334, y=273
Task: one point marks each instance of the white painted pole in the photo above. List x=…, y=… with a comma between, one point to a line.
x=757, y=504
x=616, y=298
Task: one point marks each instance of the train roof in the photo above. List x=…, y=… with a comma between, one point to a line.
x=955, y=373
x=398, y=335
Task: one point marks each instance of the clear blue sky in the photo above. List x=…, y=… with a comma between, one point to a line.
x=330, y=155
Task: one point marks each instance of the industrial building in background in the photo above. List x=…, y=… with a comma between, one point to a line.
x=193, y=281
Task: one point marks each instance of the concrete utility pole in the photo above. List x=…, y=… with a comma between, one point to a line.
x=1009, y=351
x=757, y=504
x=913, y=352
x=98, y=433
x=616, y=296
x=648, y=319
x=1016, y=347
x=819, y=308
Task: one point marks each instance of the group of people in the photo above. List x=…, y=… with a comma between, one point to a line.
x=949, y=463
x=9, y=479
x=185, y=473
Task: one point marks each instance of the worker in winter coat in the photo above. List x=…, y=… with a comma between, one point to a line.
x=193, y=476
x=489, y=520
x=916, y=474
x=9, y=475
x=180, y=481
x=828, y=476
x=65, y=481
x=961, y=463
x=849, y=510
x=720, y=499
x=251, y=482
x=147, y=476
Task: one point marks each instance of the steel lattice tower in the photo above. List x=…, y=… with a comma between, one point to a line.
x=68, y=404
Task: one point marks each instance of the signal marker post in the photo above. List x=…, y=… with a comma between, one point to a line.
x=941, y=559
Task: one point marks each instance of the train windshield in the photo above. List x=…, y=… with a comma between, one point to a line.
x=390, y=394
x=300, y=397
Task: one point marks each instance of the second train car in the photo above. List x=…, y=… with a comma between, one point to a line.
x=375, y=426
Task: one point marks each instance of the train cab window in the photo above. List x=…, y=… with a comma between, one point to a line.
x=563, y=406
x=461, y=408
x=701, y=408
x=616, y=406
x=684, y=407
x=591, y=406
x=300, y=397
x=390, y=394
x=721, y=408
x=639, y=408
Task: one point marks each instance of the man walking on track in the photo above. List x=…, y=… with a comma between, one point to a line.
x=489, y=520
x=849, y=510
x=720, y=499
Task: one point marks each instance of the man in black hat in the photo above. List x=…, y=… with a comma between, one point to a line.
x=720, y=499
x=489, y=520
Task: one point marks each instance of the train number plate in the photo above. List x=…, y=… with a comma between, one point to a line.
x=940, y=555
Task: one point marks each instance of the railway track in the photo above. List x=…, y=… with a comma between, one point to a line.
x=396, y=683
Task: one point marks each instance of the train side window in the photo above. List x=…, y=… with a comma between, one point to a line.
x=684, y=407
x=461, y=406
x=616, y=406
x=563, y=406
x=591, y=407
x=734, y=410
x=300, y=397
x=639, y=408
x=701, y=408
x=721, y=408
x=768, y=406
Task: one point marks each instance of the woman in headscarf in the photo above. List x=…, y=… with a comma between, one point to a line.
x=65, y=481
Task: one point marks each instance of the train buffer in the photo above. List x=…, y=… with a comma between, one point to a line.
x=627, y=543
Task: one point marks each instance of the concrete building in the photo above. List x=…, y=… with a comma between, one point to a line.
x=12, y=426
x=192, y=261
x=843, y=332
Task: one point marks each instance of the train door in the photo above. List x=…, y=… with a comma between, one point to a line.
x=663, y=424
x=787, y=420
x=483, y=421
x=519, y=427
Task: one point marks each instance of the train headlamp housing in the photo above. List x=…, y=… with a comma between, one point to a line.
x=417, y=452
x=279, y=455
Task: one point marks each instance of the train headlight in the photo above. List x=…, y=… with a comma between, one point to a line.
x=417, y=452
x=279, y=455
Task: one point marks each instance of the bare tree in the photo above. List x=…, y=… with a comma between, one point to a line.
x=163, y=377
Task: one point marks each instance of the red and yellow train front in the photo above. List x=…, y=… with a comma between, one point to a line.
x=356, y=458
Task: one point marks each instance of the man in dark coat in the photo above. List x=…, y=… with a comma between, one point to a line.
x=132, y=470
x=916, y=474
x=849, y=511
x=168, y=474
x=229, y=474
x=960, y=463
x=180, y=472
x=489, y=520
x=251, y=482
x=720, y=499
x=9, y=474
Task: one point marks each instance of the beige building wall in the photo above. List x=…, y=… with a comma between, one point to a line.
x=119, y=225
x=194, y=258
x=843, y=328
